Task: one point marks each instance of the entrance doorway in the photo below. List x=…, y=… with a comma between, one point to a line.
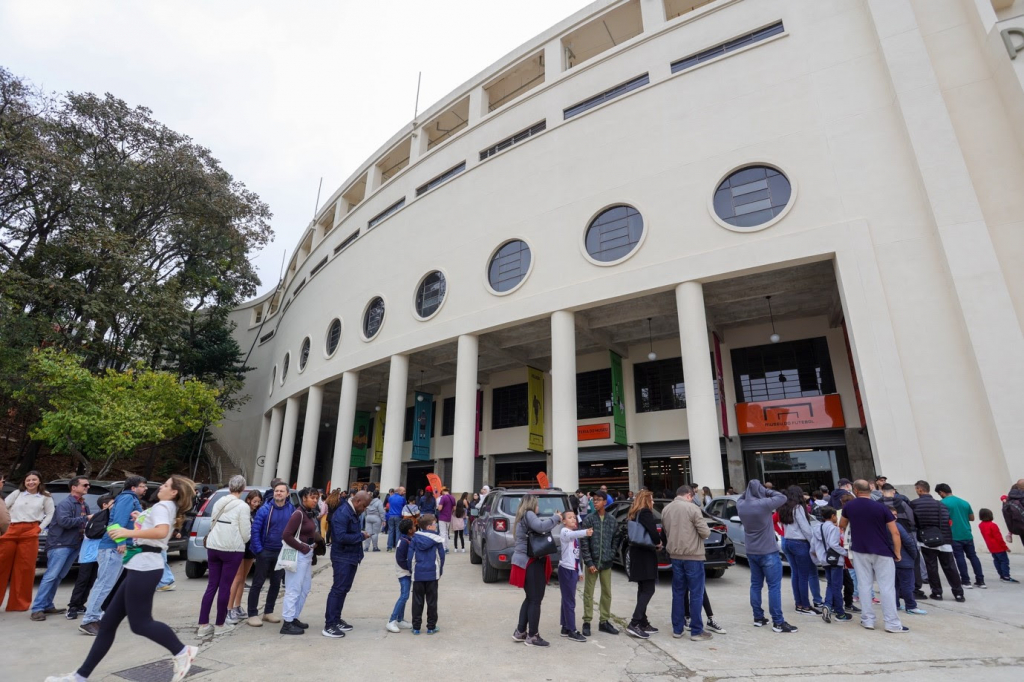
x=808, y=468
x=661, y=474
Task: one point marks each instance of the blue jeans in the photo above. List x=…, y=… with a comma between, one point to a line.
x=766, y=567
x=1002, y=563
x=108, y=569
x=404, y=583
x=393, y=531
x=344, y=575
x=798, y=553
x=963, y=551
x=905, y=587
x=834, y=590
x=167, y=578
x=58, y=563
x=687, y=577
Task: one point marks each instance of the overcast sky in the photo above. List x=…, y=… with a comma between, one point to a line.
x=281, y=92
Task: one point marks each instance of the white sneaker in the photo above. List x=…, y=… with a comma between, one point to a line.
x=219, y=630
x=70, y=677
x=405, y=625
x=392, y=626
x=205, y=630
x=183, y=662
x=232, y=618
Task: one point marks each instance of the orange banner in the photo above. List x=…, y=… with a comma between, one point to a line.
x=593, y=432
x=796, y=414
x=435, y=482
x=542, y=481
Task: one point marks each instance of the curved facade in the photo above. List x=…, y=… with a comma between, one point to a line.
x=795, y=224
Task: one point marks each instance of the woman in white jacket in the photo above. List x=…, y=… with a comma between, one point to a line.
x=230, y=528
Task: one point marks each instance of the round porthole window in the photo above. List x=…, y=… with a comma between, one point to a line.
x=430, y=294
x=373, y=318
x=304, y=354
x=284, y=367
x=509, y=266
x=614, y=233
x=333, y=337
x=752, y=197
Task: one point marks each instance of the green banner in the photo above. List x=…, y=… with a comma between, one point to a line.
x=360, y=439
x=422, y=425
x=618, y=402
x=535, y=406
x=378, y=434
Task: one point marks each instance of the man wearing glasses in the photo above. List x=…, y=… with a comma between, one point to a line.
x=63, y=540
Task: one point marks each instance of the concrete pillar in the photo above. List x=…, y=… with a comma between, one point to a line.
x=653, y=14
x=346, y=424
x=464, y=440
x=734, y=455
x=418, y=144
x=554, y=60
x=310, y=436
x=291, y=424
x=373, y=180
x=478, y=104
x=398, y=389
x=565, y=470
x=636, y=469
x=261, y=449
x=701, y=415
x=269, y=454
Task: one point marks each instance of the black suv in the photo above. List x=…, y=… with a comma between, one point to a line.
x=493, y=538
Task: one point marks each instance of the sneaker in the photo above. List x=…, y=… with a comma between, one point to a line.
x=636, y=631
x=564, y=632
x=232, y=618
x=415, y=631
x=867, y=627
x=608, y=628
x=70, y=677
x=856, y=599
x=53, y=611
x=89, y=629
x=404, y=625
x=576, y=636
x=783, y=627
x=204, y=630
x=344, y=626
x=760, y=622
x=936, y=597
x=392, y=626
x=221, y=630
x=918, y=612
x=714, y=627
x=299, y=623
x=255, y=621
x=852, y=609
x=586, y=629
x=183, y=662
x=702, y=637
x=826, y=614
x=536, y=640
x=271, y=618
x=332, y=631
x=1008, y=579
x=71, y=614
x=37, y=615
x=166, y=588
x=648, y=628
x=518, y=636
x=960, y=598
x=290, y=628
x=433, y=631
x=678, y=635
x=968, y=586
x=903, y=628
x=876, y=600
x=843, y=617
x=807, y=611
x=980, y=586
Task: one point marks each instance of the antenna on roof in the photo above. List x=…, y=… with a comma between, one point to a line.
x=417, y=110
x=318, y=188
x=284, y=254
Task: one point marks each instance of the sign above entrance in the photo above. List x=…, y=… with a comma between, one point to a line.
x=796, y=414
x=594, y=432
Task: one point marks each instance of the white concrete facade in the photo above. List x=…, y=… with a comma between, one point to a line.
x=900, y=126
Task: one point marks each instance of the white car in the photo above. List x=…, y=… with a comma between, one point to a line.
x=725, y=508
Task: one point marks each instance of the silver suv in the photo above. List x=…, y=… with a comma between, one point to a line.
x=493, y=538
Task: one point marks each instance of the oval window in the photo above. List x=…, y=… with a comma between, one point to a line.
x=373, y=318
x=304, y=354
x=333, y=336
x=284, y=367
x=509, y=265
x=430, y=294
x=614, y=233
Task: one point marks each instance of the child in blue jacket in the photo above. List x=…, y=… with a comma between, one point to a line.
x=406, y=529
x=426, y=564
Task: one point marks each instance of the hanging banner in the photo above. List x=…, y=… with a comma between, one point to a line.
x=422, y=417
x=435, y=484
x=479, y=422
x=378, y=434
x=535, y=406
x=360, y=439
x=618, y=402
x=720, y=385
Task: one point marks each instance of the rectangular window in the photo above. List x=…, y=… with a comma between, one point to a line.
x=515, y=139
x=659, y=385
x=298, y=287
x=778, y=371
x=348, y=240
x=266, y=337
x=440, y=179
x=319, y=266
x=607, y=96
x=724, y=48
x=448, y=418
x=387, y=212
x=594, y=394
x=508, y=407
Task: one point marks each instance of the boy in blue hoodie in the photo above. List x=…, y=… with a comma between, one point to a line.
x=406, y=529
x=426, y=563
x=905, y=570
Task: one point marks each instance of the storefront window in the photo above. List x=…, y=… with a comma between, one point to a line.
x=783, y=370
x=805, y=467
x=662, y=475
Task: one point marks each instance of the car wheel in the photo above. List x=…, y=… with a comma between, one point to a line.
x=626, y=561
x=489, y=573
x=195, y=569
x=474, y=558
x=714, y=572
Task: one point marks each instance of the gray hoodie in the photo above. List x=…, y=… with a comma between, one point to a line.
x=755, y=507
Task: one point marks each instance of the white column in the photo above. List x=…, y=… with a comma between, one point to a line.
x=398, y=389
x=465, y=415
x=653, y=14
x=257, y=470
x=346, y=425
x=478, y=104
x=273, y=444
x=291, y=424
x=310, y=436
x=565, y=469
x=701, y=418
x=373, y=179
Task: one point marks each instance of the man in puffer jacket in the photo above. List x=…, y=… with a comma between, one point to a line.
x=597, y=553
x=930, y=514
x=265, y=542
x=1013, y=511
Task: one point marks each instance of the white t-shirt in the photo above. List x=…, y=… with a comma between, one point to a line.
x=161, y=513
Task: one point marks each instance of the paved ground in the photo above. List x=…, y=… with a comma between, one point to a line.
x=980, y=640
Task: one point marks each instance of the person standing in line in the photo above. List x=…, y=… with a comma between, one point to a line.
x=1013, y=511
x=230, y=530
x=961, y=515
x=875, y=548
x=397, y=622
x=236, y=614
x=346, y=555
x=996, y=546
x=598, y=554
x=375, y=519
x=685, y=530
x=569, y=573
x=396, y=501
x=301, y=535
x=31, y=510
x=935, y=538
x=472, y=511
x=529, y=573
x=909, y=555
x=133, y=598
x=86, y=568
x=643, y=561
x=608, y=498
x=755, y=507
x=269, y=523
x=459, y=523
x=5, y=514
x=426, y=564
x=827, y=537
x=63, y=541
x=445, y=507
x=797, y=531
x=427, y=502
x=842, y=493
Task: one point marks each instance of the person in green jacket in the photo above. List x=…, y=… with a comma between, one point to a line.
x=597, y=552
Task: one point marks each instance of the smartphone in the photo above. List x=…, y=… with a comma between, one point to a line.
x=112, y=527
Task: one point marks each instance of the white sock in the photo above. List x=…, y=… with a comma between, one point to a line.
x=183, y=651
x=80, y=678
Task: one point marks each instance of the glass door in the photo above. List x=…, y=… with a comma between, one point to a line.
x=804, y=467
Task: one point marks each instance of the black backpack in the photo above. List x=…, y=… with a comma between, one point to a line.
x=96, y=528
x=1013, y=512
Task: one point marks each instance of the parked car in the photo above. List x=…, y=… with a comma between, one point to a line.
x=719, y=552
x=493, y=538
x=195, y=552
x=724, y=507
x=59, y=491
x=178, y=543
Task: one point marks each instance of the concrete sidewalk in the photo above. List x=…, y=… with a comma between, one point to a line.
x=979, y=640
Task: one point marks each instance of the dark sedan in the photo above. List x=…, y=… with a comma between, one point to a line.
x=719, y=551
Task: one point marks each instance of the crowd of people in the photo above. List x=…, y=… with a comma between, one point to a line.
x=861, y=535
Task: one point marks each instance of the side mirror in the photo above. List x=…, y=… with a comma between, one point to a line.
x=735, y=519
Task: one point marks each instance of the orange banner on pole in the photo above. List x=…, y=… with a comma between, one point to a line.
x=542, y=480
x=435, y=482
x=796, y=414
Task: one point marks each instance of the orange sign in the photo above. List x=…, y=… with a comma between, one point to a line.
x=542, y=481
x=594, y=431
x=795, y=414
x=435, y=483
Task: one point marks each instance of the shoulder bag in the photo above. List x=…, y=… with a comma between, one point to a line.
x=638, y=535
x=288, y=557
x=832, y=557
x=930, y=537
x=213, y=524
x=539, y=545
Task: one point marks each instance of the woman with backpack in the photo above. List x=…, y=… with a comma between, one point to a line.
x=530, y=573
x=31, y=509
x=230, y=529
x=643, y=563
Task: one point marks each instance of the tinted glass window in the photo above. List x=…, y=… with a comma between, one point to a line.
x=304, y=353
x=373, y=318
x=508, y=407
x=284, y=366
x=546, y=505
x=752, y=196
x=778, y=371
x=333, y=336
x=659, y=385
x=430, y=295
x=509, y=265
x=594, y=394
x=614, y=233
x=448, y=418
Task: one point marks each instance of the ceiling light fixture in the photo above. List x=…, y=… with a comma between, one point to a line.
x=376, y=407
x=419, y=398
x=774, y=338
x=652, y=356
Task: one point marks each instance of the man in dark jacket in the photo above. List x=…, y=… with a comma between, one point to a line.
x=346, y=554
x=755, y=507
x=63, y=540
x=1013, y=510
x=265, y=542
x=597, y=553
x=932, y=520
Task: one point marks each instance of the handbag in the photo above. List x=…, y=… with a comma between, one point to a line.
x=288, y=557
x=539, y=545
x=213, y=524
x=930, y=537
x=832, y=557
x=638, y=535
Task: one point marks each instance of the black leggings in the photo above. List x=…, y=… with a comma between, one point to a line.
x=529, y=612
x=706, y=604
x=459, y=535
x=644, y=592
x=134, y=599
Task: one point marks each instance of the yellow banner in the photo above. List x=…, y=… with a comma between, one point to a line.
x=535, y=406
x=378, y=434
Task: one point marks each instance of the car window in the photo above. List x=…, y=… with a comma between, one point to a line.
x=488, y=503
x=546, y=504
x=714, y=507
x=730, y=510
x=213, y=500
